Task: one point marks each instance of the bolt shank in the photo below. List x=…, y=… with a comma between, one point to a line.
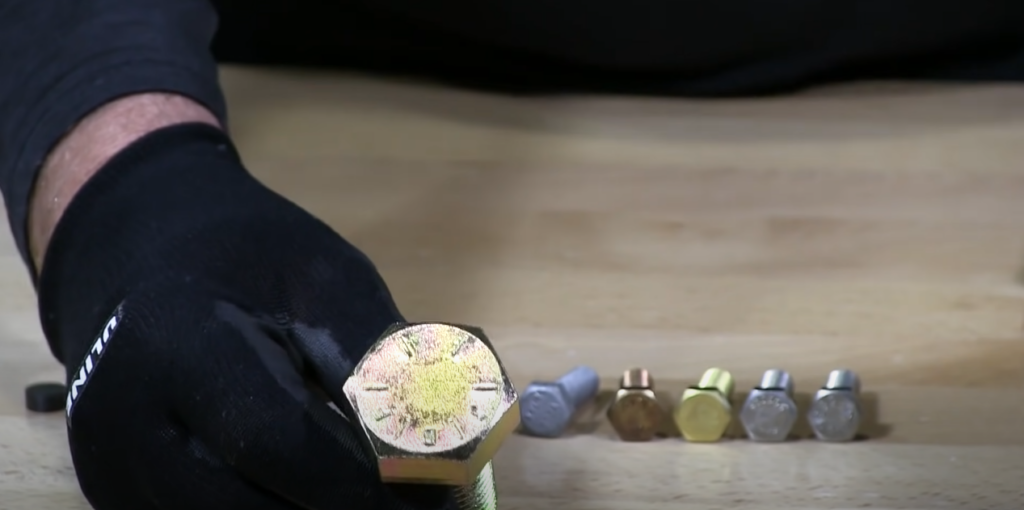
x=580, y=384
x=479, y=495
x=776, y=379
x=636, y=379
x=843, y=380
x=717, y=379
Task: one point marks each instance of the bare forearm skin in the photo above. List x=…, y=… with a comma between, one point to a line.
x=89, y=145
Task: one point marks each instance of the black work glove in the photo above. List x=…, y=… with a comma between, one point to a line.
x=193, y=307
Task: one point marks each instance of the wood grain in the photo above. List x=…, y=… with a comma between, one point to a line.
x=878, y=227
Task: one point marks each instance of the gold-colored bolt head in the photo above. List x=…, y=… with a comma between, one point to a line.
x=434, y=402
x=704, y=412
x=635, y=414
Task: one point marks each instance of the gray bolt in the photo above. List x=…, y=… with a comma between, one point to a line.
x=769, y=413
x=835, y=412
x=546, y=408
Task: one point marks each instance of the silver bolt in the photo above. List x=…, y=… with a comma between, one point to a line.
x=835, y=412
x=547, y=407
x=769, y=413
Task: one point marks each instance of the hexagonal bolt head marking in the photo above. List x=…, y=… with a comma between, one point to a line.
x=835, y=412
x=547, y=407
x=434, y=403
x=769, y=413
x=704, y=412
x=635, y=414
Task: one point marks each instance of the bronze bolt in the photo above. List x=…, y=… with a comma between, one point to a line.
x=635, y=414
x=435, y=404
x=704, y=411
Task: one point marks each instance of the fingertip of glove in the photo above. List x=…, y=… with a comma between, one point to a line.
x=46, y=397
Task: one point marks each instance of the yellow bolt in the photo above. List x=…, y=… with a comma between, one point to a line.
x=435, y=404
x=635, y=414
x=704, y=412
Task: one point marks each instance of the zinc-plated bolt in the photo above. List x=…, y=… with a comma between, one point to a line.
x=835, y=412
x=547, y=407
x=769, y=413
x=635, y=414
x=704, y=412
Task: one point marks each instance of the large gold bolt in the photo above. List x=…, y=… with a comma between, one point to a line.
x=704, y=411
x=435, y=404
x=635, y=414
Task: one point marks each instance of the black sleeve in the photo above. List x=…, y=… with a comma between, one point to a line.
x=61, y=59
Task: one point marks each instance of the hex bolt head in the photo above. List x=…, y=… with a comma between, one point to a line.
x=546, y=408
x=635, y=414
x=835, y=412
x=704, y=412
x=769, y=413
x=434, y=403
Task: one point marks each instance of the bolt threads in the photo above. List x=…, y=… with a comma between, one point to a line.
x=717, y=379
x=636, y=378
x=776, y=379
x=843, y=380
x=580, y=384
x=482, y=494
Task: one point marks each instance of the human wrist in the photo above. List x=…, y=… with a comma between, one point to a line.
x=90, y=145
x=139, y=220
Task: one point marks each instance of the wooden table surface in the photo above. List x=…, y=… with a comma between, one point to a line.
x=877, y=227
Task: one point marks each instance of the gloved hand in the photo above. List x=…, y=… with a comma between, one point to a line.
x=193, y=309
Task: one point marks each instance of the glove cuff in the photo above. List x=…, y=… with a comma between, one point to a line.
x=117, y=229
